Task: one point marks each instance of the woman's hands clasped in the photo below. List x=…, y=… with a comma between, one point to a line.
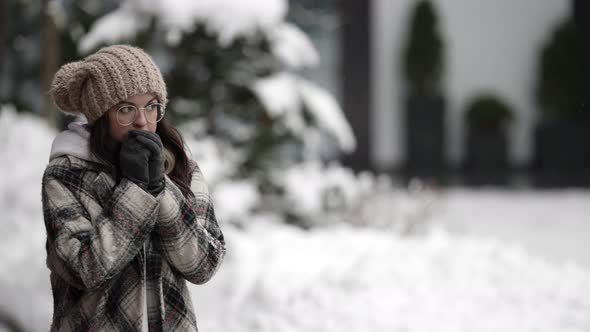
x=141, y=160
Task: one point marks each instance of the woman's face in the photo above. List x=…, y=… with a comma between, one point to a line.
x=118, y=131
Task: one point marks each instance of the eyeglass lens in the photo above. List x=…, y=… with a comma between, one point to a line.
x=128, y=113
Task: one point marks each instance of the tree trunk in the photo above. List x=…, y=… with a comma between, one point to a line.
x=49, y=45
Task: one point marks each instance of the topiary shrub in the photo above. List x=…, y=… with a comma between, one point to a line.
x=423, y=54
x=488, y=113
x=561, y=89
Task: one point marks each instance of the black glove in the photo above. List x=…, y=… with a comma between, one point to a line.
x=153, y=143
x=134, y=162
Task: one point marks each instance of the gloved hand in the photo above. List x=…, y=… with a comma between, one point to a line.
x=134, y=162
x=153, y=143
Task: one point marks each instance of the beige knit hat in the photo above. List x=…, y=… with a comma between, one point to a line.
x=103, y=79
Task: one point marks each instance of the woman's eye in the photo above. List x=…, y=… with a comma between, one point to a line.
x=126, y=109
x=154, y=107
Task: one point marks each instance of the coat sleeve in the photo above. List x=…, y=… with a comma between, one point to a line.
x=190, y=237
x=86, y=248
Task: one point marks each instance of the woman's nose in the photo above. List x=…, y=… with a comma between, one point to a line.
x=140, y=120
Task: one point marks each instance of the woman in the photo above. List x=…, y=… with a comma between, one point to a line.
x=128, y=215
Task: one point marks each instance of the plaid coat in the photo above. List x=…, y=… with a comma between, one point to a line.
x=96, y=234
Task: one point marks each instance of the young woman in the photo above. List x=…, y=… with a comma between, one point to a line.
x=127, y=213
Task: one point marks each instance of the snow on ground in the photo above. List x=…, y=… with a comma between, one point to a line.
x=278, y=278
x=553, y=224
x=25, y=142
x=496, y=260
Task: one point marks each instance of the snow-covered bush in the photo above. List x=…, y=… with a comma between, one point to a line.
x=232, y=73
x=235, y=64
x=321, y=194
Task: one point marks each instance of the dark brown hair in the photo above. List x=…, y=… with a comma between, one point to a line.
x=106, y=150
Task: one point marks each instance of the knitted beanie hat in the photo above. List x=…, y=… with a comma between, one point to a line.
x=103, y=79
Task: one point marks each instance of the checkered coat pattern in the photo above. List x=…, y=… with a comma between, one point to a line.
x=99, y=233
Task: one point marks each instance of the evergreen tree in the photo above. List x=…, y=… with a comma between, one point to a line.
x=236, y=86
x=215, y=80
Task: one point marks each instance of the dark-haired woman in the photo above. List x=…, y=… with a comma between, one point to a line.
x=128, y=215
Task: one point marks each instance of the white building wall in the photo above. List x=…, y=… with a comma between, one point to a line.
x=491, y=46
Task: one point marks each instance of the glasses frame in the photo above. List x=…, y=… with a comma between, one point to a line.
x=138, y=109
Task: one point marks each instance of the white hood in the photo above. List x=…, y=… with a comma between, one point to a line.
x=74, y=142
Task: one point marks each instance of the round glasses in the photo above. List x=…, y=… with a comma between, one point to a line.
x=127, y=114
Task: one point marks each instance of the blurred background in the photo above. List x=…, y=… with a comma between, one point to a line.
x=382, y=165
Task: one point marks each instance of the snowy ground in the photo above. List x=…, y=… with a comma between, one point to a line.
x=552, y=224
x=495, y=260
x=481, y=278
